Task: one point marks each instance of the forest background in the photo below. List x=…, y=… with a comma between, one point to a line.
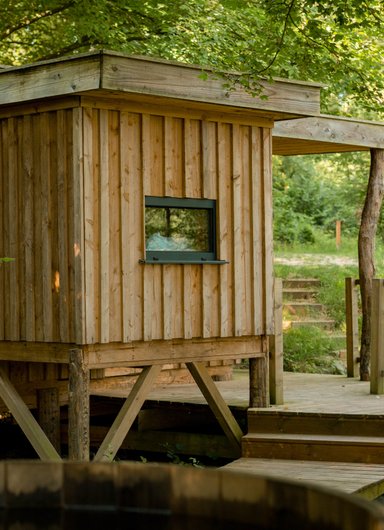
x=338, y=43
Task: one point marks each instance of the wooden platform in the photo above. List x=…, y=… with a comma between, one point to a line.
x=365, y=480
x=302, y=393
x=305, y=396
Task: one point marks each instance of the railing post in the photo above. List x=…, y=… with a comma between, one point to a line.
x=276, y=349
x=377, y=337
x=352, y=327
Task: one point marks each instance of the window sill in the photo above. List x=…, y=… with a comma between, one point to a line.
x=181, y=262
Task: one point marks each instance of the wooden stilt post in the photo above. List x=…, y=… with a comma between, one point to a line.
x=276, y=390
x=78, y=407
x=377, y=337
x=48, y=410
x=352, y=327
x=258, y=382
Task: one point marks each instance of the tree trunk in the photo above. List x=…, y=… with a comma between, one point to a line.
x=366, y=244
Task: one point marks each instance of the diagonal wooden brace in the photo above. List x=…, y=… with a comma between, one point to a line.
x=123, y=422
x=26, y=420
x=216, y=402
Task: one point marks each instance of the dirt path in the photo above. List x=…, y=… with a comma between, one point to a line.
x=314, y=259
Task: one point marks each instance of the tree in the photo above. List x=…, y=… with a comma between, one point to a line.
x=337, y=42
x=367, y=234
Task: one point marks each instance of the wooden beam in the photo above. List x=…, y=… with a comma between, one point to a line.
x=143, y=353
x=110, y=71
x=25, y=419
x=348, y=132
x=123, y=422
x=78, y=407
x=215, y=400
x=41, y=352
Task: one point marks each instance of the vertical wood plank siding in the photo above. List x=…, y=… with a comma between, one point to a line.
x=72, y=189
x=145, y=154
x=37, y=292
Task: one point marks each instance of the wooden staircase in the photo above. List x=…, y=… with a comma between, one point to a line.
x=344, y=452
x=302, y=309
x=314, y=436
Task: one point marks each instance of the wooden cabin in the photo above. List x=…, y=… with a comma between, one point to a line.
x=136, y=202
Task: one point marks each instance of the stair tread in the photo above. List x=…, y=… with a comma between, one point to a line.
x=315, y=320
x=299, y=289
x=323, y=438
x=321, y=415
x=302, y=303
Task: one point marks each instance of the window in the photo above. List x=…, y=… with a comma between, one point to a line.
x=180, y=230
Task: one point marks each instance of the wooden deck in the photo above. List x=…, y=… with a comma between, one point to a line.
x=303, y=393
x=365, y=480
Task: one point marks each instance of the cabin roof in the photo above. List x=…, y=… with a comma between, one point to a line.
x=326, y=134
x=109, y=73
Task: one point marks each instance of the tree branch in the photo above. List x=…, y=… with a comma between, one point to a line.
x=281, y=40
x=25, y=23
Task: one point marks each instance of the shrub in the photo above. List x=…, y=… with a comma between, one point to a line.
x=310, y=350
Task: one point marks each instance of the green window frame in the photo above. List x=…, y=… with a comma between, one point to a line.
x=180, y=230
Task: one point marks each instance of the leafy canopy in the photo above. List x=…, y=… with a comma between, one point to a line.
x=338, y=42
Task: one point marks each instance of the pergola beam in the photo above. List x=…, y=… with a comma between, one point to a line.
x=326, y=134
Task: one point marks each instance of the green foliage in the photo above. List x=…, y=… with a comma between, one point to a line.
x=6, y=260
x=335, y=42
x=310, y=350
x=312, y=192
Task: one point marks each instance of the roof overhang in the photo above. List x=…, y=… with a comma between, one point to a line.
x=106, y=72
x=326, y=134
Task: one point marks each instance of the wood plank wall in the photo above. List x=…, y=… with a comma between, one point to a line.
x=37, y=220
x=129, y=154
x=72, y=189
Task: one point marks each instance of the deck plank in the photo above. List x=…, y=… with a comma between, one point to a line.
x=365, y=480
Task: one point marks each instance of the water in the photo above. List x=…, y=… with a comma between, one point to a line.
x=109, y=520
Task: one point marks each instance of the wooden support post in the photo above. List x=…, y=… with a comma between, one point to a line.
x=276, y=390
x=377, y=337
x=123, y=422
x=48, y=410
x=25, y=419
x=258, y=382
x=338, y=234
x=216, y=402
x=352, y=327
x=78, y=407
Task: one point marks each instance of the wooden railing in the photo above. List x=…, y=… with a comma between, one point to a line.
x=352, y=326
x=377, y=332
x=276, y=349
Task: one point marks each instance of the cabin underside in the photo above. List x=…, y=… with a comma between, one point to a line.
x=65, y=375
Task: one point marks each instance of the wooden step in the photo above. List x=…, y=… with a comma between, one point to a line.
x=299, y=294
x=333, y=448
x=320, y=323
x=300, y=308
x=296, y=283
x=288, y=422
